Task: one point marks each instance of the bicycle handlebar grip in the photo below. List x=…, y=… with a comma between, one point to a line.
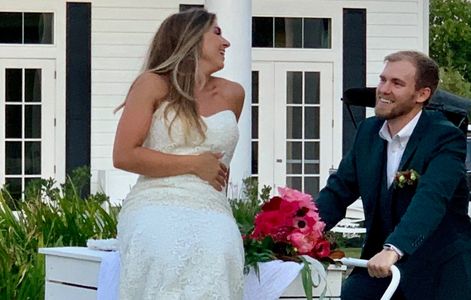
x=363, y=263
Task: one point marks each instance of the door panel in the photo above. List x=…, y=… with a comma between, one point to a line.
x=294, y=140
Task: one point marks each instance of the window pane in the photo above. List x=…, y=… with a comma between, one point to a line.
x=13, y=85
x=255, y=87
x=294, y=122
x=294, y=183
x=294, y=87
x=184, y=7
x=38, y=28
x=311, y=123
x=311, y=168
x=288, y=32
x=254, y=158
x=13, y=117
x=311, y=186
x=262, y=32
x=317, y=33
x=32, y=85
x=311, y=87
x=13, y=158
x=311, y=158
x=32, y=158
x=255, y=122
x=14, y=187
x=293, y=157
x=32, y=180
x=33, y=121
x=10, y=28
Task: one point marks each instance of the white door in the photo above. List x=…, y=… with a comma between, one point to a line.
x=26, y=122
x=293, y=108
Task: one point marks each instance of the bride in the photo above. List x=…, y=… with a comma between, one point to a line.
x=178, y=130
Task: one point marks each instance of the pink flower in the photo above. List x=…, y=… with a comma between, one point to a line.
x=304, y=243
x=293, y=195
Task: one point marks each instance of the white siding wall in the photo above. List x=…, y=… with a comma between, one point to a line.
x=122, y=29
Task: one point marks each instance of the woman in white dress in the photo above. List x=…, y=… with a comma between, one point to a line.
x=178, y=130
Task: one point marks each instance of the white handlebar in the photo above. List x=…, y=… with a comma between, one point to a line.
x=362, y=263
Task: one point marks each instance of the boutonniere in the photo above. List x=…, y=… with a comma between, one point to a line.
x=406, y=178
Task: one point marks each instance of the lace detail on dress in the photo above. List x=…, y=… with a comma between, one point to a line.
x=178, y=238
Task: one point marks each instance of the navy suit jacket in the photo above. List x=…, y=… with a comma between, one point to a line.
x=429, y=222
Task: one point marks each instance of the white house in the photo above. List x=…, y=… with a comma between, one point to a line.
x=65, y=65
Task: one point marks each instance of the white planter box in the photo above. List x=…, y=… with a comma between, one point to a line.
x=72, y=274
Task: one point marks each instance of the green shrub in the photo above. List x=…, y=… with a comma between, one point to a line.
x=451, y=80
x=244, y=210
x=48, y=216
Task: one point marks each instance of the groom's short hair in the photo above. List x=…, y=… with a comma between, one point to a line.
x=427, y=73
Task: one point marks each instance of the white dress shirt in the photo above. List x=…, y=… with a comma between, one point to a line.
x=397, y=144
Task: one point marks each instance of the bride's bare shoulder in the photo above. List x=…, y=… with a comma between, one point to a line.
x=233, y=93
x=150, y=85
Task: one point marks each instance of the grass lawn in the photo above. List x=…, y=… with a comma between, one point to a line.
x=352, y=252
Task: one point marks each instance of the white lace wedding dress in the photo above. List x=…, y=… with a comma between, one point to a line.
x=177, y=236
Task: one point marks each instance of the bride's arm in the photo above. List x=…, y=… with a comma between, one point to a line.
x=145, y=95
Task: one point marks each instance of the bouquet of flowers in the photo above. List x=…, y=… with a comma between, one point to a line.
x=291, y=222
x=284, y=227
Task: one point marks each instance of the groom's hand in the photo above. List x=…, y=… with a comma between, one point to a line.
x=379, y=266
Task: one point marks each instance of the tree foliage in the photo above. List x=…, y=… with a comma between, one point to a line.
x=452, y=81
x=450, y=34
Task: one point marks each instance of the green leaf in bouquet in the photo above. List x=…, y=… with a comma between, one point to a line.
x=306, y=278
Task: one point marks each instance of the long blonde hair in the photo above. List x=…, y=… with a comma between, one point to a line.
x=174, y=53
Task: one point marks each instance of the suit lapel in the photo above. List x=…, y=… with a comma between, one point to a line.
x=373, y=170
x=414, y=140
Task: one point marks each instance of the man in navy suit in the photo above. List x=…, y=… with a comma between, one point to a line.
x=418, y=223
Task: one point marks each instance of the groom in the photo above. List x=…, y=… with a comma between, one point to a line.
x=418, y=222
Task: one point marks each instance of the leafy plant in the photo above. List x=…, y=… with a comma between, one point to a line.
x=450, y=35
x=244, y=210
x=451, y=80
x=48, y=216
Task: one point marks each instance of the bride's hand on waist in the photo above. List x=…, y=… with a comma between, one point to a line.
x=208, y=167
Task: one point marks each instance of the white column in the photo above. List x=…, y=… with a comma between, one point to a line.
x=235, y=19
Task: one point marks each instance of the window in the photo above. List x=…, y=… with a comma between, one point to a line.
x=302, y=131
x=23, y=106
x=26, y=28
x=269, y=32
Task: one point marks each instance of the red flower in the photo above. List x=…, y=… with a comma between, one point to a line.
x=322, y=249
x=273, y=204
x=270, y=223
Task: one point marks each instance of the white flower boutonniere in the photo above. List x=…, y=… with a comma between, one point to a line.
x=406, y=178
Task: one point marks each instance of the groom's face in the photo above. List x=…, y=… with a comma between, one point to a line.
x=396, y=94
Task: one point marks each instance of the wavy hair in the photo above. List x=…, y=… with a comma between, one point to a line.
x=174, y=52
